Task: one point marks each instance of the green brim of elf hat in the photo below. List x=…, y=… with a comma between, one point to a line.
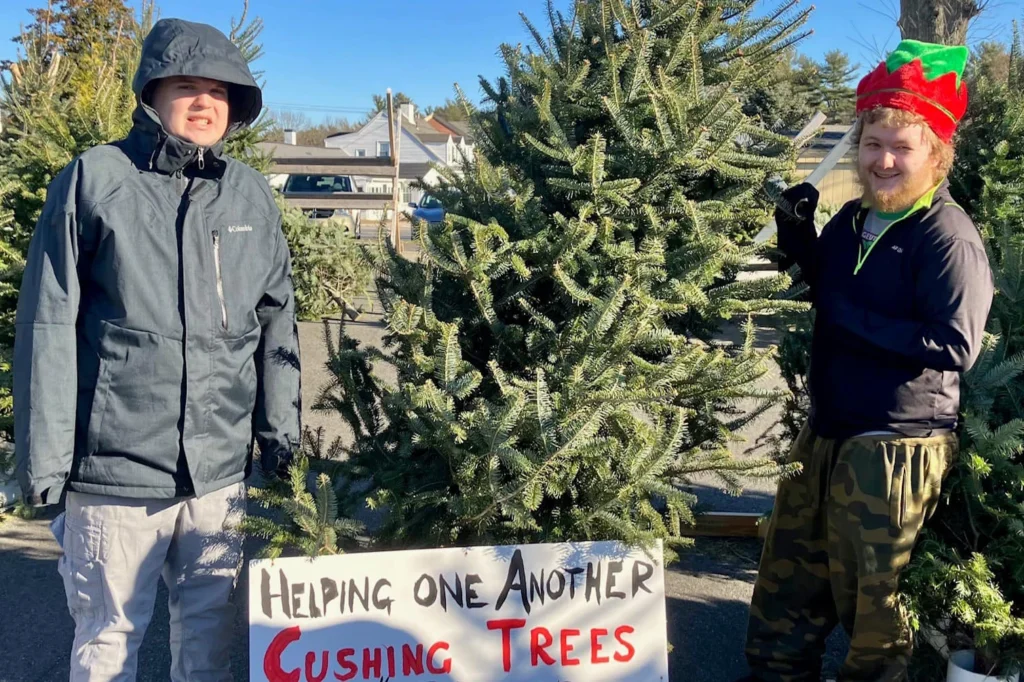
x=924, y=78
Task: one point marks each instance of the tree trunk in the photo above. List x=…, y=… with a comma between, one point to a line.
x=937, y=21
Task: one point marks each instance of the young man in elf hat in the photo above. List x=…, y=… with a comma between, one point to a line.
x=902, y=288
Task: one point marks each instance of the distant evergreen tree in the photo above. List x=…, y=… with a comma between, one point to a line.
x=837, y=93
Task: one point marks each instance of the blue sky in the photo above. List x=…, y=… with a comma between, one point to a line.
x=330, y=56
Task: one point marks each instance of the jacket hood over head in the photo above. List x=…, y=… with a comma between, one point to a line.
x=176, y=47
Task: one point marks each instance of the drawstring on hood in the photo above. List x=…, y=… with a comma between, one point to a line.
x=182, y=48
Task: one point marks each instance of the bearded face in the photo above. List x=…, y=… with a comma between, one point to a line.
x=896, y=165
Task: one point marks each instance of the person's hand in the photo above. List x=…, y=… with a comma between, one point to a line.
x=794, y=217
x=283, y=470
x=799, y=203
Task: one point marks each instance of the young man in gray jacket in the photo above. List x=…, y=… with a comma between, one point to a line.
x=156, y=340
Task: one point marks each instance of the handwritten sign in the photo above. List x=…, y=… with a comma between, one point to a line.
x=591, y=612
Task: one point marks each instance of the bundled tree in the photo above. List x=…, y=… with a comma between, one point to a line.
x=329, y=271
x=551, y=382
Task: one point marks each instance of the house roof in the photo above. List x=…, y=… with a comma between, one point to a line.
x=294, y=151
x=420, y=128
x=407, y=171
x=423, y=131
x=413, y=171
x=432, y=137
x=460, y=128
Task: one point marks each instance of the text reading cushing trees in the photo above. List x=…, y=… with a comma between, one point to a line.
x=593, y=611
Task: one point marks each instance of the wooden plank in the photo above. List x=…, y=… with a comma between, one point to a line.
x=726, y=525
x=370, y=167
x=349, y=200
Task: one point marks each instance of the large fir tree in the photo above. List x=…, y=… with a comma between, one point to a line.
x=555, y=376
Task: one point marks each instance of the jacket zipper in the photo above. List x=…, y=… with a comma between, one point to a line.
x=220, y=280
x=201, y=160
x=862, y=255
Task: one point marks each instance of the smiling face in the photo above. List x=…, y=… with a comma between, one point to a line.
x=899, y=160
x=194, y=109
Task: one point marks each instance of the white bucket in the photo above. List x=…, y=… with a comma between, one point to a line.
x=960, y=665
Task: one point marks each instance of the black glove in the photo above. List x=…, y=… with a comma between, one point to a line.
x=797, y=205
x=794, y=217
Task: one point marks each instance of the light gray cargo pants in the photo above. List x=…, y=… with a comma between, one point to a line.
x=115, y=550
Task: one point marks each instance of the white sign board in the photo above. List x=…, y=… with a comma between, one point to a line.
x=591, y=612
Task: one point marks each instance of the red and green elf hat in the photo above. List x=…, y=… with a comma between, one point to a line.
x=924, y=78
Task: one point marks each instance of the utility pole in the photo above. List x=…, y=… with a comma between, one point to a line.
x=395, y=137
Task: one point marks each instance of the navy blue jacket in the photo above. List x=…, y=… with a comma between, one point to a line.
x=895, y=326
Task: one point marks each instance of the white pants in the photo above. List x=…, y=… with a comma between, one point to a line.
x=115, y=550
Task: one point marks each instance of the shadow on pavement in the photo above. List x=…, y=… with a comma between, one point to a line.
x=712, y=498
x=694, y=624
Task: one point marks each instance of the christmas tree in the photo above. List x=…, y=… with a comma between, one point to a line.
x=557, y=377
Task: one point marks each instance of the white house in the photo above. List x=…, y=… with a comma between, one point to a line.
x=421, y=144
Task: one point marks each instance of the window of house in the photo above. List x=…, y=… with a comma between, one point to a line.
x=383, y=149
x=360, y=152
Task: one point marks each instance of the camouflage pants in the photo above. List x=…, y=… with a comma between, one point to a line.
x=841, y=532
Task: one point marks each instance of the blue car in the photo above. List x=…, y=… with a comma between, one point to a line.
x=429, y=210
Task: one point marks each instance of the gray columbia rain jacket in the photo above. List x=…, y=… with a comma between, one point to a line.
x=156, y=331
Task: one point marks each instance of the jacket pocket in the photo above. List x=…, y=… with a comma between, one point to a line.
x=242, y=348
x=99, y=407
x=899, y=495
x=136, y=407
